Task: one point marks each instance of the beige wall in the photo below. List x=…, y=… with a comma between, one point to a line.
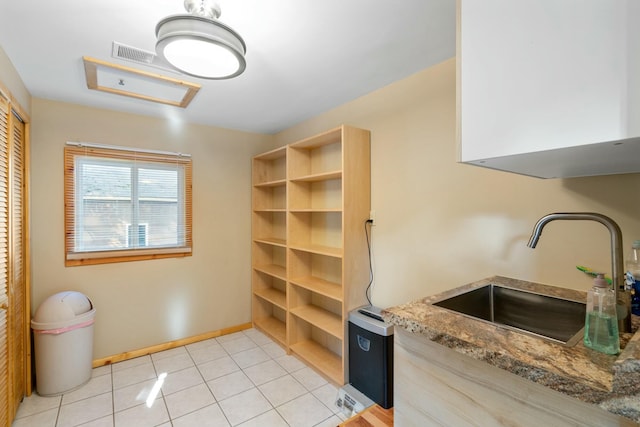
x=440, y=224
x=149, y=302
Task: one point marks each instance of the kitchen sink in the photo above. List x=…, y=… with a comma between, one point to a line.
x=551, y=318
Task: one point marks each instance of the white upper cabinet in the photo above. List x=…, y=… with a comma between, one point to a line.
x=549, y=88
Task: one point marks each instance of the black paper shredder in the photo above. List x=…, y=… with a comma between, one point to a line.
x=371, y=355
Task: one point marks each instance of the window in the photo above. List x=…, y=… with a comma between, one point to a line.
x=125, y=205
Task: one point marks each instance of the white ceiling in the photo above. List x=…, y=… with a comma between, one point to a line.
x=304, y=57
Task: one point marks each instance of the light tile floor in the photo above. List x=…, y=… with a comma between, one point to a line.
x=241, y=379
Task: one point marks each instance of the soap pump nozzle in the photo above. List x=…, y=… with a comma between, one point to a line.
x=600, y=281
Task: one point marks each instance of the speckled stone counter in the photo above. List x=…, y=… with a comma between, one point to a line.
x=611, y=382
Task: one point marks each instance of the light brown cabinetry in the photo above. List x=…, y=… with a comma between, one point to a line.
x=436, y=385
x=15, y=375
x=310, y=259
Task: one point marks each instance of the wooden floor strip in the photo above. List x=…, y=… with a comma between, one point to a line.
x=374, y=416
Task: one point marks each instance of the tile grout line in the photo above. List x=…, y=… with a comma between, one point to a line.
x=113, y=398
x=257, y=387
x=160, y=392
x=61, y=403
x=254, y=384
x=207, y=385
x=226, y=417
x=58, y=413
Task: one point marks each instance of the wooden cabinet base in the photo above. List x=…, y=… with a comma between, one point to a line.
x=434, y=385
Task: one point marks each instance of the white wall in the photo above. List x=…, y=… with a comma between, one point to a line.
x=440, y=224
x=145, y=303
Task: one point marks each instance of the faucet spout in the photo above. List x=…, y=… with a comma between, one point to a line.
x=622, y=298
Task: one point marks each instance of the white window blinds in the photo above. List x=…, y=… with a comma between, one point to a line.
x=123, y=205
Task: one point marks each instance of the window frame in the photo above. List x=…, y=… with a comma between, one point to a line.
x=75, y=257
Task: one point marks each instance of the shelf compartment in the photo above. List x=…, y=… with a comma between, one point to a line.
x=273, y=327
x=316, y=195
x=318, y=310
x=316, y=231
x=270, y=289
x=318, y=349
x=322, y=287
x=321, y=358
x=270, y=167
x=274, y=270
x=270, y=318
x=317, y=156
x=273, y=296
x=270, y=257
x=269, y=197
x=324, y=320
x=318, y=249
x=317, y=273
x=329, y=137
x=270, y=225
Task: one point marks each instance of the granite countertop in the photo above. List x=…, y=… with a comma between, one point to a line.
x=611, y=382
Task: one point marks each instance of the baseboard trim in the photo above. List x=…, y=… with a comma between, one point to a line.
x=168, y=345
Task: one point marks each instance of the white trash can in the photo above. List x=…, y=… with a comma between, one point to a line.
x=63, y=336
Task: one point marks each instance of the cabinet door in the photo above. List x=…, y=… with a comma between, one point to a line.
x=6, y=402
x=13, y=289
x=4, y=372
x=18, y=323
x=543, y=75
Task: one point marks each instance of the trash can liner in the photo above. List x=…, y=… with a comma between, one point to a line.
x=58, y=323
x=63, y=330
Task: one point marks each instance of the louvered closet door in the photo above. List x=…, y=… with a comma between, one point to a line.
x=5, y=381
x=17, y=289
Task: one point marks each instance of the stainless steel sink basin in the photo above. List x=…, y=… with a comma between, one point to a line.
x=555, y=319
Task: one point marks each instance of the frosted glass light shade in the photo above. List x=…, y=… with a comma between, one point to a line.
x=200, y=47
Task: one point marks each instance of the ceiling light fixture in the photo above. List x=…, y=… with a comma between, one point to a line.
x=199, y=45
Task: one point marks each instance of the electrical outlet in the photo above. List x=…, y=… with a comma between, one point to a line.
x=372, y=217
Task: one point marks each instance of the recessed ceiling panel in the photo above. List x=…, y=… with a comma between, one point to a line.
x=120, y=80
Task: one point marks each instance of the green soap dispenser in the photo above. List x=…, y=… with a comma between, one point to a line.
x=601, y=323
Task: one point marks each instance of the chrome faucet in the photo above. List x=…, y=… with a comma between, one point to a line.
x=623, y=299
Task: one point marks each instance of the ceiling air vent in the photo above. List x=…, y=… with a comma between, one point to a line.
x=121, y=51
x=139, y=56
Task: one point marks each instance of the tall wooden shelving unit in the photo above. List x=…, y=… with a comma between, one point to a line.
x=310, y=259
x=269, y=246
